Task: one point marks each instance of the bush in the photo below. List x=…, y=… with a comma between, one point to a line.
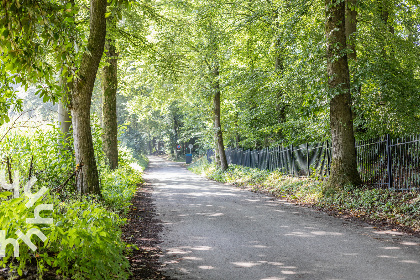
x=51, y=163
x=118, y=188
x=84, y=242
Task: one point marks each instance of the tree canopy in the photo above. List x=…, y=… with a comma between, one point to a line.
x=267, y=59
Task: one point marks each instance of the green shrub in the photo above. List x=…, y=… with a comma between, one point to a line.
x=51, y=163
x=84, y=241
x=119, y=187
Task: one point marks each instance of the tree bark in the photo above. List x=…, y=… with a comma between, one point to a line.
x=344, y=165
x=217, y=125
x=109, y=84
x=65, y=122
x=87, y=178
x=64, y=114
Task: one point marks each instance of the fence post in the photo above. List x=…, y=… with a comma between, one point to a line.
x=389, y=161
x=292, y=160
x=328, y=160
x=307, y=159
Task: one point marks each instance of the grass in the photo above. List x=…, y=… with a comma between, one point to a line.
x=395, y=208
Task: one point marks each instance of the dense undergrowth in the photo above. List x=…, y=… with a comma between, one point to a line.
x=84, y=239
x=396, y=208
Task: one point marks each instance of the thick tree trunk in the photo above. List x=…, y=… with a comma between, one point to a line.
x=87, y=178
x=217, y=125
x=109, y=84
x=344, y=166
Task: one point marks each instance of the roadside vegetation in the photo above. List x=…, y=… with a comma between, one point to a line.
x=84, y=239
x=401, y=209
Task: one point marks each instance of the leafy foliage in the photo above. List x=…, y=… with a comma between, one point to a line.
x=84, y=242
x=273, y=77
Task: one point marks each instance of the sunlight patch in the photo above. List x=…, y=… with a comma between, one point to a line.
x=206, y=267
x=409, y=261
x=201, y=248
x=246, y=264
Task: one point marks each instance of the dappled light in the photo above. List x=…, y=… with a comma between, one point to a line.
x=212, y=236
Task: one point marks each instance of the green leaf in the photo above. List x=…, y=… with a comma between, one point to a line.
x=5, y=194
x=6, y=33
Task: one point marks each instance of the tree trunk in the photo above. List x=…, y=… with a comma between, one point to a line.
x=385, y=8
x=65, y=122
x=217, y=126
x=87, y=178
x=344, y=165
x=64, y=114
x=385, y=11
x=109, y=84
x=149, y=144
x=279, y=65
x=175, y=127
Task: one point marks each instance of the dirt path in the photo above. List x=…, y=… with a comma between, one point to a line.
x=213, y=231
x=143, y=230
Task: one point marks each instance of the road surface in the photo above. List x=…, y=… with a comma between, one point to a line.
x=214, y=231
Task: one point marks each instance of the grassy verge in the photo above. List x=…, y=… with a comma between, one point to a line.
x=394, y=208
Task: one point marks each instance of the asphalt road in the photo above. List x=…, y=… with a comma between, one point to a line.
x=214, y=231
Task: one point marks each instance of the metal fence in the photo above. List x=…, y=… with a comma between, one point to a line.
x=384, y=162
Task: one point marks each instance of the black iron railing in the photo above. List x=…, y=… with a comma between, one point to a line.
x=384, y=162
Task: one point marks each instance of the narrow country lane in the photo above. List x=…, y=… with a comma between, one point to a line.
x=214, y=231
